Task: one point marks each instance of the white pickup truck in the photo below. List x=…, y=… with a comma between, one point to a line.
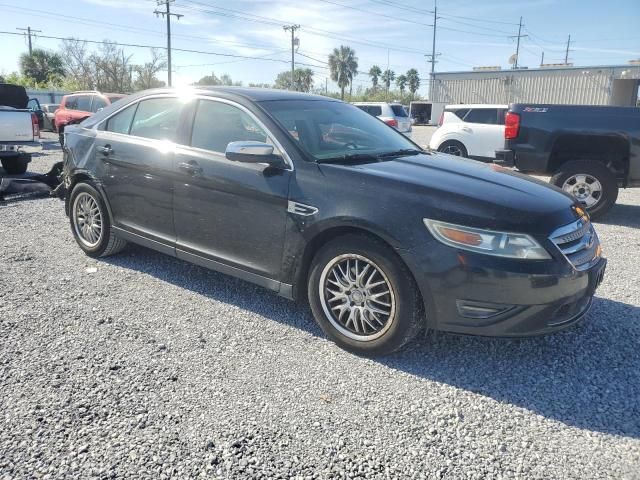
x=19, y=129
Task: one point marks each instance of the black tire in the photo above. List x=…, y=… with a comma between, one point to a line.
x=16, y=165
x=408, y=316
x=451, y=146
x=591, y=169
x=107, y=243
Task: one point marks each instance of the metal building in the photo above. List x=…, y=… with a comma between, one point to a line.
x=604, y=85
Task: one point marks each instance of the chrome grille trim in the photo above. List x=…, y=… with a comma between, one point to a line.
x=578, y=243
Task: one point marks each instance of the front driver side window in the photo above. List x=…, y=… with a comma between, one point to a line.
x=216, y=124
x=121, y=121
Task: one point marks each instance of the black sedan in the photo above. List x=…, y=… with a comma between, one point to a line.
x=317, y=200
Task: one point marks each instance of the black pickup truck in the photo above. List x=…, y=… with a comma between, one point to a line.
x=590, y=151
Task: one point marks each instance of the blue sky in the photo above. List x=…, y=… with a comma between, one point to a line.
x=397, y=32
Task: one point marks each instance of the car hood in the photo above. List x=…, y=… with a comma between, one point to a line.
x=448, y=188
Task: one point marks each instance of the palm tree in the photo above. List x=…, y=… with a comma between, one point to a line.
x=343, y=65
x=387, y=77
x=413, y=79
x=401, y=82
x=374, y=73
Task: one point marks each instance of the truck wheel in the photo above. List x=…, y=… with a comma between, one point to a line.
x=363, y=296
x=453, y=147
x=90, y=222
x=590, y=182
x=16, y=165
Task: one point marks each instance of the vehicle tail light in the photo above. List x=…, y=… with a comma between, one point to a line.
x=35, y=125
x=392, y=123
x=441, y=119
x=511, y=125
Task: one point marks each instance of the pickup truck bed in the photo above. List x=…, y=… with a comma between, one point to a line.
x=590, y=151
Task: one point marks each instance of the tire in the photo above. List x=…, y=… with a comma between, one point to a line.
x=103, y=244
x=451, y=146
x=16, y=165
x=588, y=180
x=391, y=331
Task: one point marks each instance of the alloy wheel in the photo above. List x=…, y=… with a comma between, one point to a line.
x=357, y=297
x=452, y=150
x=87, y=219
x=586, y=188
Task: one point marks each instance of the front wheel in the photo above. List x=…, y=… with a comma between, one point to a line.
x=90, y=223
x=363, y=296
x=590, y=182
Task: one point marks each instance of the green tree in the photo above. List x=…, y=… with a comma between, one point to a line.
x=413, y=79
x=387, y=77
x=374, y=73
x=401, y=82
x=343, y=66
x=41, y=64
x=146, y=74
x=303, y=80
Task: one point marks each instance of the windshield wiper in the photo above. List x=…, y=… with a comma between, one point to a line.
x=401, y=152
x=350, y=157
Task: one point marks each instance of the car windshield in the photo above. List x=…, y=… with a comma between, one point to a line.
x=329, y=130
x=399, y=111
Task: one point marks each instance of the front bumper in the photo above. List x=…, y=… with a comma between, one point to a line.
x=492, y=297
x=18, y=148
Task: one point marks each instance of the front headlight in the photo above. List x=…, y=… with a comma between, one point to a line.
x=488, y=242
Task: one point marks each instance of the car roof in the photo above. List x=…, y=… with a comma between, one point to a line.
x=476, y=105
x=371, y=103
x=254, y=94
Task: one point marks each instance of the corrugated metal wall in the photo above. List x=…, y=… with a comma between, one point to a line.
x=586, y=87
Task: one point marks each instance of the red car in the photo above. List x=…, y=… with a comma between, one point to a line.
x=77, y=106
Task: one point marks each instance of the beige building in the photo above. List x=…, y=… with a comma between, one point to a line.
x=605, y=85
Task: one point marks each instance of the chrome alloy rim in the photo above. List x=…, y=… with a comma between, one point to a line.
x=452, y=150
x=357, y=297
x=586, y=188
x=87, y=219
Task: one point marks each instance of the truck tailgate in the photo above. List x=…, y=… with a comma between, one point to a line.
x=15, y=126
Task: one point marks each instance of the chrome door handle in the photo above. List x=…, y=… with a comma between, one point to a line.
x=106, y=150
x=190, y=167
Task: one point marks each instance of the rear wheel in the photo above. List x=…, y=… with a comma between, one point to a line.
x=90, y=223
x=590, y=182
x=16, y=165
x=363, y=296
x=453, y=147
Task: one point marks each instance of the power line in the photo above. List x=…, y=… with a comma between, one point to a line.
x=167, y=13
x=29, y=33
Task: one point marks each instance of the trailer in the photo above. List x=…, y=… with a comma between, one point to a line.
x=426, y=113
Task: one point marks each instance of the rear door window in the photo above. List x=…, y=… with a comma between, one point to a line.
x=458, y=112
x=399, y=111
x=157, y=118
x=488, y=116
x=217, y=124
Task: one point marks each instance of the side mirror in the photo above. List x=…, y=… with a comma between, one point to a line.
x=252, y=152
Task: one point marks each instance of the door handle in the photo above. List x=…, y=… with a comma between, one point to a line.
x=106, y=150
x=190, y=167
x=466, y=129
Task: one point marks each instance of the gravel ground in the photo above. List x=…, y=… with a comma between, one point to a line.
x=142, y=366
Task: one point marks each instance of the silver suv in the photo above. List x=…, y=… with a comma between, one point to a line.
x=393, y=114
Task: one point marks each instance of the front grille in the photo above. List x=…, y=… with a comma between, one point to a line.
x=578, y=242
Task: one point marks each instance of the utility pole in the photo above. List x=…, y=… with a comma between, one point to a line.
x=542, y=59
x=293, y=29
x=29, y=33
x=519, y=36
x=566, y=53
x=433, y=50
x=167, y=14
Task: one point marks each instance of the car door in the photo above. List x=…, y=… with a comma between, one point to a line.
x=137, y=146
x=484, y=132
x=229, y=213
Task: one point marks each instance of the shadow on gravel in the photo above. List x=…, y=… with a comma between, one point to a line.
x=623, y=215
x=587, y=377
